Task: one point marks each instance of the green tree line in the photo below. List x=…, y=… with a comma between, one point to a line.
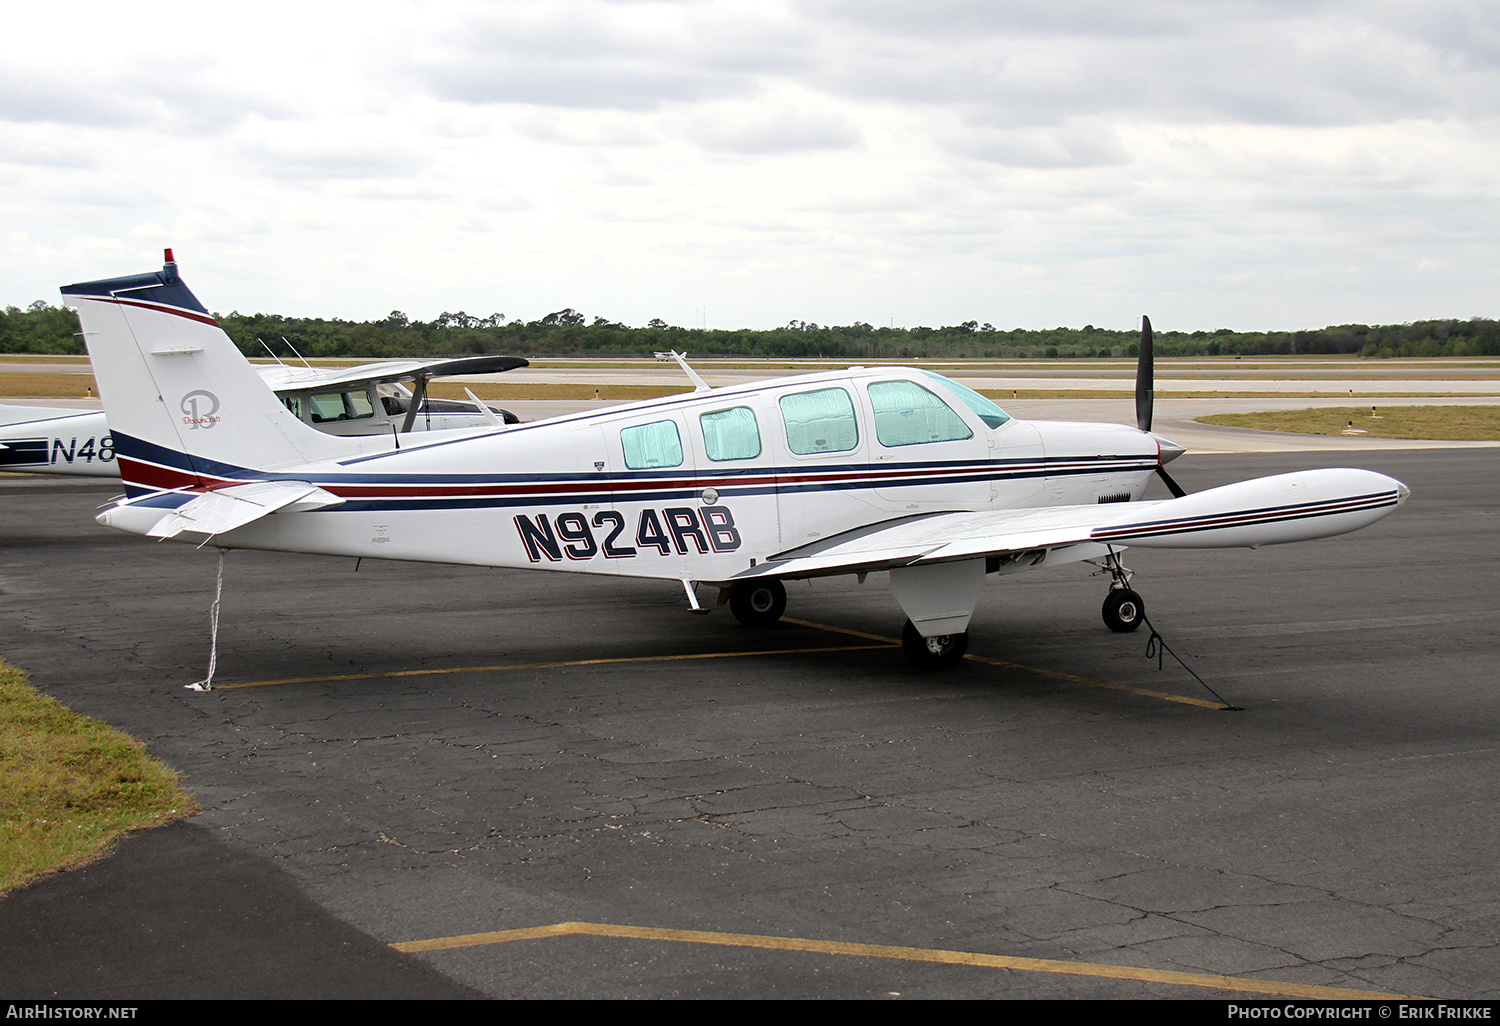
x=45, y=329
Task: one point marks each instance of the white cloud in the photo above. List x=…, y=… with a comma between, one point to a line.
x=1074, y=144
x=771, y=126
x=1254, y=163
x=51, y=95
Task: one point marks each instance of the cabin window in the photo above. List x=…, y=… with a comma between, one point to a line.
x=821, y=421
x=987, y=411
x=651, y=446
x=908, y=414
x=393, y=397
x=331, y=406
x=294, y=404
x=731, y=434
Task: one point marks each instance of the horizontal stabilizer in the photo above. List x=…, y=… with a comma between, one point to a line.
x=225, y=509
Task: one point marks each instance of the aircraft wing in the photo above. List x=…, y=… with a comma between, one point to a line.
x=225, y=509
x=1264, y=511
x=939, y=537
x=284, y=378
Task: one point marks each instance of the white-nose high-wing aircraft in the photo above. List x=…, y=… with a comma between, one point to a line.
x=845, y=472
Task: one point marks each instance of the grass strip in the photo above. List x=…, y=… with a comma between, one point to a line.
x=47, y=386
x=502, y=391
x=523, y=391
x=1449, y=423
x=70, y=786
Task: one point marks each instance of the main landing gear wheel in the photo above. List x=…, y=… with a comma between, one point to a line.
x=1123, y=610
x=940, y=652
x=758, y=603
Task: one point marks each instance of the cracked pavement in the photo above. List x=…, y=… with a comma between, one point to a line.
x=1339, y=831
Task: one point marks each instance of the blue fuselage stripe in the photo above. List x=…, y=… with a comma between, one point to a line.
x=1245, y=518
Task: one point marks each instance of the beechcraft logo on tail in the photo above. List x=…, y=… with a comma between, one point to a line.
x=199, y=408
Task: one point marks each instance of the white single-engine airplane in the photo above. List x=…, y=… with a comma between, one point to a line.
x=845, y=472
x=369, y=399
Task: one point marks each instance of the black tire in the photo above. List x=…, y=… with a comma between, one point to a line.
x=758, y=603
x=936, y=653
x=1123, y=610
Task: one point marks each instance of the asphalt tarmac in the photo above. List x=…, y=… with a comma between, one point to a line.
x=409, y=754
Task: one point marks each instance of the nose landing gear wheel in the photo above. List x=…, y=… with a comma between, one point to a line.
x=1123, y=610
x=758, y=603
x=941, y=652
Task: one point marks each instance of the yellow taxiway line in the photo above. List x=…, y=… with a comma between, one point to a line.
x=547, y=666
x=880, y=643
x=946, y=957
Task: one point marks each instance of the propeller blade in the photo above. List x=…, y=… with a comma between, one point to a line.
x=1145, y=378
x=1172, y=486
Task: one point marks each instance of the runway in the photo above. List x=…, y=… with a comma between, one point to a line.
x=528, y=785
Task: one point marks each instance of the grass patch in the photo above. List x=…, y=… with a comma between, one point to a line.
x=521, y=390
x=47, y=386
x=501, y=391
x=1449, y=423
x=69, y=785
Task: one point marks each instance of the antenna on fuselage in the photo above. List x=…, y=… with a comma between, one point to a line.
x=297, y=354
x=699, y=385
x=271, y=351
x=484, y=410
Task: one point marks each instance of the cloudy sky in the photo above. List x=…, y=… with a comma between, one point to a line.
x=740, y=164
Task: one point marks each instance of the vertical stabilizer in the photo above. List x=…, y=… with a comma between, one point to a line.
x=185, y=407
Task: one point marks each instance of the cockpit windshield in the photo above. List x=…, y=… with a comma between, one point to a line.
x=987, y=411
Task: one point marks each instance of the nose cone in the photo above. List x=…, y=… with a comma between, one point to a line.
x=1169, y=449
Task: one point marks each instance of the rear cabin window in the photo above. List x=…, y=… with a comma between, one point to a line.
x=331, y=406
x=731, y=434
x=908, y=414
x=821, y=421
x=651, y=446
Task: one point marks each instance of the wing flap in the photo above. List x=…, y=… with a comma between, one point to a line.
x=225, y=509
x=998, y=534
x=941, y=538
